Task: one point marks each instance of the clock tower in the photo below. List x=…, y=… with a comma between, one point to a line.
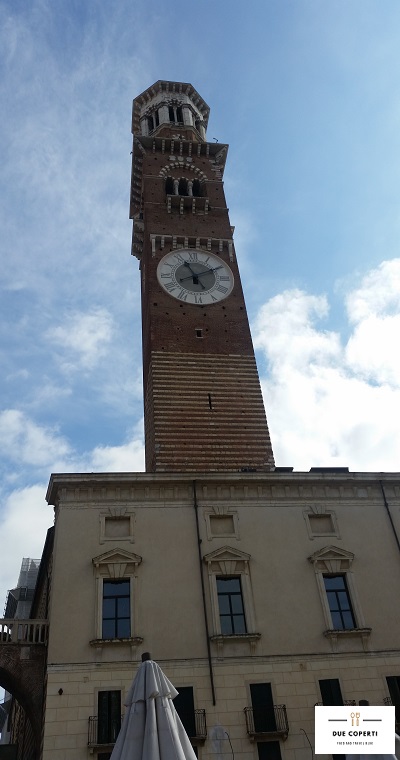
x=203, y=406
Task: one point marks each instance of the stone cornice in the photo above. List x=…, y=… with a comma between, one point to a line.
x=256, y=488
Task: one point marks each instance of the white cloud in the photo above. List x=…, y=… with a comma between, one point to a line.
x=330, y=402
x=83, y=337
x=32, y=448
x=374, y=311
x=379, y=293
x=24, y=442
x=292, y=314
x=126, y=458
x=373, y=349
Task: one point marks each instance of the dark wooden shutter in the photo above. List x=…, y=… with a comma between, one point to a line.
x=330, y=691
x=269, y=751
x=109, y=716
x=184, y=706
x=393, y=683
x=263, y=707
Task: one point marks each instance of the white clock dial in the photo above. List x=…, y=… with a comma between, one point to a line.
x=195, y=276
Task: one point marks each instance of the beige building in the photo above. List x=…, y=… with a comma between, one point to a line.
x=300, y=574
x=259, y=591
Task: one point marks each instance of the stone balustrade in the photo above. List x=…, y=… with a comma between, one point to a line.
x=23, y=631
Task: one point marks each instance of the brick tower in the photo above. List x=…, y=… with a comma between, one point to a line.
x=202, y=398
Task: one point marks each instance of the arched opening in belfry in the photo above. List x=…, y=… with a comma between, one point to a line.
x=183, y=186
x=153, y=121
x=175, y=114
x=196, y=189
x=169, y=186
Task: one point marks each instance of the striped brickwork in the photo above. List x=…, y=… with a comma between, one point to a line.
x=205, y=413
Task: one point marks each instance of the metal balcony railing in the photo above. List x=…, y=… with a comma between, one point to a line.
x=23, y=631
x=266, y=721
x=388, y=701
x=102, y=733
x=195, y=725
x=346, y=702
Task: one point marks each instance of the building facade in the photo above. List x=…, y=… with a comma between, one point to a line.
x=260, y=591
x=299, y=571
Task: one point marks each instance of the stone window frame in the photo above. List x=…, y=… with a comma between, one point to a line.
x=97, y=691
x=332, y=560
x=231, y=562
x=336, y=587
x=117, y=513
x=321, y=511
x=221, y=512
x=116, y=564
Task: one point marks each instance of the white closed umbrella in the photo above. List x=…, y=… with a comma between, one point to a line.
x=152, y=729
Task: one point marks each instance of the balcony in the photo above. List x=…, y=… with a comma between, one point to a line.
x=346, y=702
x=23, y=631
x=192, y=203
x=266, y=722
x=195, y=725
x=103, y=733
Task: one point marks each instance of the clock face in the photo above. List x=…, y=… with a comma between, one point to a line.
x=195, y=276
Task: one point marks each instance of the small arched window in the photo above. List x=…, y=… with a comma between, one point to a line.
x=169, y=186
x=153, y=121
x=182, y=187
x=179, y=114
x=196, y=188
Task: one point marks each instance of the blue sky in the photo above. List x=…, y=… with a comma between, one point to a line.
x=306, y=92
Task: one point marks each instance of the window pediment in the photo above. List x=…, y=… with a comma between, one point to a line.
x=227, y=561
x=331, y=559
x=116, y=563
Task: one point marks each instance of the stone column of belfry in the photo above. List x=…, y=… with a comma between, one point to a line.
x=202, y=398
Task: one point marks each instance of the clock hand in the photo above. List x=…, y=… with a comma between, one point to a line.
x=193, y=276
x=209, y=270
x=198, y=274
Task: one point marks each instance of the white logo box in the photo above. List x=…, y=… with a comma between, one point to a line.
x=354, y=730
